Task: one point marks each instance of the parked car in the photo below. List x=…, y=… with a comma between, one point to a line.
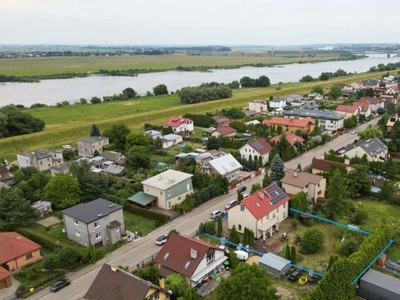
x=246, y=169
x=241, y=189
x=216, y=214
x=161, y=240
x=242, y=255
x=230, y=204
x=245, y=196
x=293, y=276
x=353, y=132
x=67, y=147
x=59, y=284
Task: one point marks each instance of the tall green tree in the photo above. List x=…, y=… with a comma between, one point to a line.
x=293, y=254
x=358, y=182
x=190, y=294
x=62, y=191
x=335, y=92
x=160, y=89
x=337, y=192
x=255, y=187
x=287, y=252
x=234, y=236
x=372, y=131
x=312, y=241
x=176, y=283
x=387, y=192
x=136, y=139
x=149, y=273
x=95, y=131
x=277, y=170
x=246, y=282
x=117, y=134
x=219, y=227
x=266, y=180
x=299, y=201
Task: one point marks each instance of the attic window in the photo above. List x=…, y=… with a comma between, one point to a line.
x=166, y=255
x=187, y=264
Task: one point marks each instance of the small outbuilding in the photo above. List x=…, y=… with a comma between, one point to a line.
x=375, y=285
x=42, y=207
x=274, y=264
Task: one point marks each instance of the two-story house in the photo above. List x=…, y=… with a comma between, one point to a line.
x=261, y=212
x=293, y=139
x=363, y=108
x=112, y=283
x=180, y=125
x=277, y=103
x=386, y=99
x=374, y=149
x=257, y=148
x=225, y=165
x=96, y=223
x=371, y=84
x=167, y=189
x=194, y=259
x=296, y=181
x=373, y=101
x=41, y=160
x=327, y=120
x=347, y=110
x=258, y=106
x=87, y=147
x=291, y=124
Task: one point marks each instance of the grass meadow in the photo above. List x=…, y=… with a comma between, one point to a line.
x=64, y=125
x=92, y=64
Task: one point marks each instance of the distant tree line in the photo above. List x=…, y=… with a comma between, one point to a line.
x=383, y=67
x=204, y=93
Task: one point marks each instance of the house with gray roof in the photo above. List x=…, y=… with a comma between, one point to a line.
x=374, y=149
x=87, y=147
x=327, y=119
x=41, y=160
x=376, y=285
x=226, y=166
x=96, y=223
x=311, y=105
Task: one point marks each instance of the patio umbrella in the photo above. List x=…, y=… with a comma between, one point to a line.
x=226, y=263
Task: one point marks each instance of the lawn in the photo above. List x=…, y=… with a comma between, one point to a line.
x=67, y=124
x=136, y=223
x=88, y=64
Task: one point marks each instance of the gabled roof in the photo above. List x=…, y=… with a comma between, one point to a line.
x=4, y=274
x=175, y=255
x=274, y=261
x=291, y=137
x=167, y=179
x=261, y=146
x=224, y=130
x=301, y=123
x=176, y=121
x=370, y=82
x=92, y=211
x=325, y=165
x=363, y=105
x=346, y=108
x=372, y=146
x=265, y=200
x=94, y=139
x=371, y=100
x=113, y=155
x=316, y=114
x=14, y=245
x=225, y=164
x=300, y=179
x=113, y=283
x=171, y=137
x=277, y=100
x=221, y=119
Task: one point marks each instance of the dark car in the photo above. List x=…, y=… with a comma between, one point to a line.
x=294, y=275
x=241, y=189
x=59, y=284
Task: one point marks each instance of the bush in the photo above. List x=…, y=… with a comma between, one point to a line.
x=38, y=237
x=359, y=217
x=312, y=241
x=159, y=218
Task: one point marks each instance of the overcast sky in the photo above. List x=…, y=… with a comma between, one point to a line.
x=223, y=22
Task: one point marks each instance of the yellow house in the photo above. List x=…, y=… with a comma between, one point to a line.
x=115, y=283
x=311, y=184
x=291, y=124
x=390, y=123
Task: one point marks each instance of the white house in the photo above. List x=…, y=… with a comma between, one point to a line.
x=262, y=212
x=375, y=103
x=328, y=120
x=374, y=149
x=41, y=160
x=277, y=103
x=180, y=125
x=226, y=166
x=257, y=148
x=258, y=106
x=194, y=259
x=170, y=140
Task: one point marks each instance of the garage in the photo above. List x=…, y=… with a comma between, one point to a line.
x=5, y=278
x=274, y=264
x=375, y=285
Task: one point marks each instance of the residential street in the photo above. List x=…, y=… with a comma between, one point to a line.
x=134, y=253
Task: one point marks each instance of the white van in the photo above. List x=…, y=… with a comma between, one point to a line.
x=242, y=255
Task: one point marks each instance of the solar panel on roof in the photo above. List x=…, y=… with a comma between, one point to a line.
x=257, y=146
x=276, y=193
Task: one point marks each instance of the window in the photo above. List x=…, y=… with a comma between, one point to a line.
x=239, y=227
x=117, y=230
x=284, y=214
x=319, y=184
x=96, y=224
x=98, y=235
x=273, y=215
x=242, y=207
x=210, y=258
x=267, y=216
x=29, y=256
x=319, y=193
x=188, y=187
x=76, y=222
x=77, y=233
x=155, y=296
x=179, y=198
x=277, y=209
x=161, y=193
x=169, y=193
x=41, y=163
x=284, y=205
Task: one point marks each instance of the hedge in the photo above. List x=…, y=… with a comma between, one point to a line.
x=40, y=238
x=159, y=218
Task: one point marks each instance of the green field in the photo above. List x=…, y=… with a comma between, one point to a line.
x=64, y=125
x=89, y=64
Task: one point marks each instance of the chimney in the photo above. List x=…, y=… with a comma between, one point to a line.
x=193, y=253
x=261, y=195
x=296, y=173
x=161, y=283
x=114, y=268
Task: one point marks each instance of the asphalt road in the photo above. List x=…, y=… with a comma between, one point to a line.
x=134, y=253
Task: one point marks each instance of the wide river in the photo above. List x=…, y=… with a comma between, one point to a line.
x=57, y=90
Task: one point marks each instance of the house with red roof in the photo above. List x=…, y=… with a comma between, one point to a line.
x=393, y=90
x=373, y=101
x=347, y=110
x=292, y=124
x=388, y=99
x=321, y=165
x=180, y=125
x=194, y=259
x=363, y=108
x=16, y=251
x=293, y=139
x=261, y=212
x=255, y=149
x=224, y=131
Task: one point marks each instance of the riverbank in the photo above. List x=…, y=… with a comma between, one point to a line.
x=64, y=125
x=39, y=68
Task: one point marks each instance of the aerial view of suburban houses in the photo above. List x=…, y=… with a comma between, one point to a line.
x=241, y=174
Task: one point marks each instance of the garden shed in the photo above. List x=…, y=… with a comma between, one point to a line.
x=375, y=285
x=274, y=264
